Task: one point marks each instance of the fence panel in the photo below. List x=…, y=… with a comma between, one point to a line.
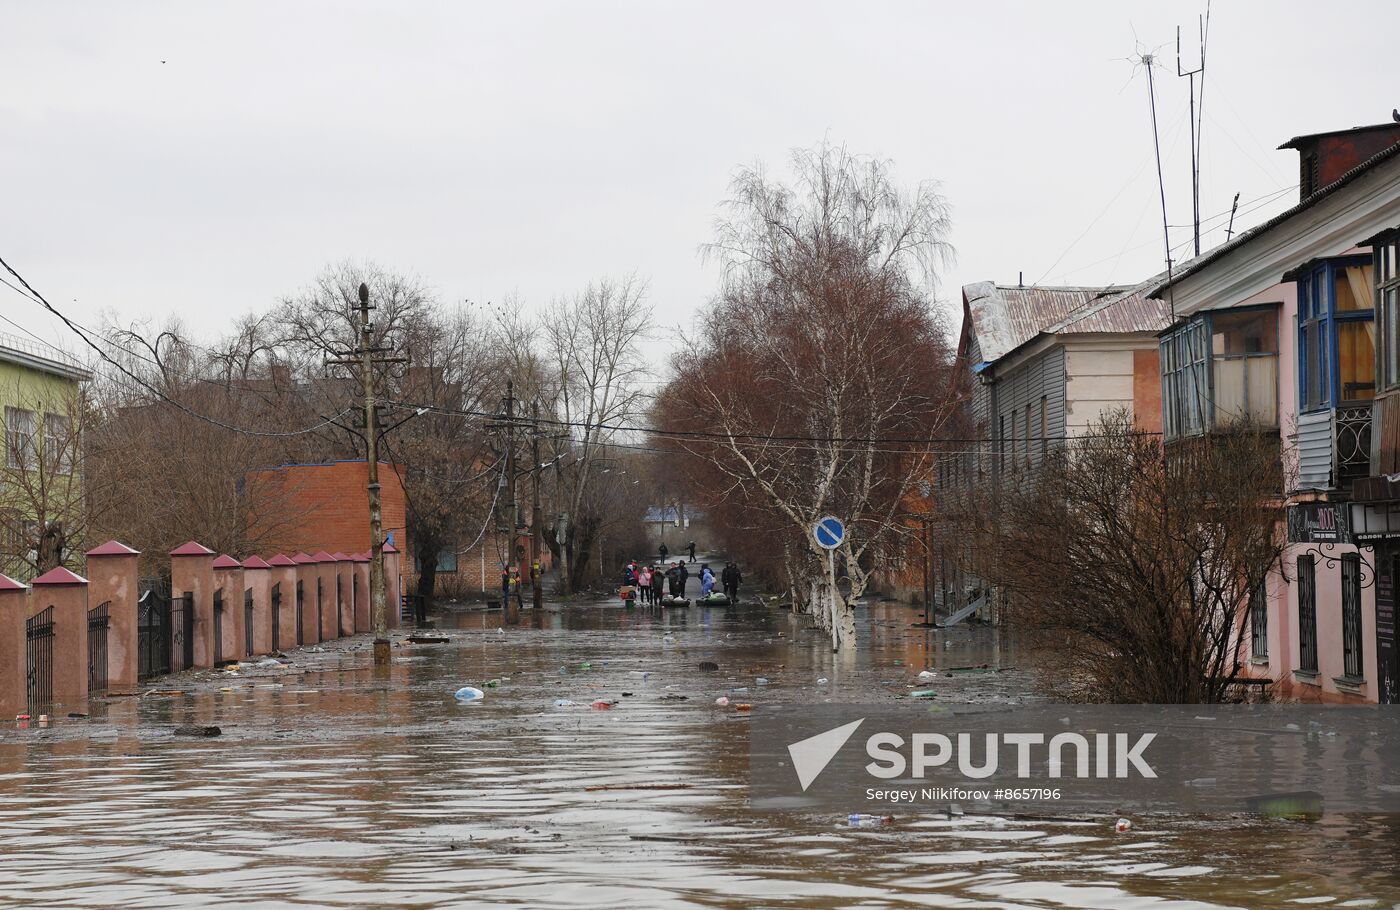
x=277, y=617
x=218, y=627
x=153, y=638
x=248, y=622
x=99, y=619
x=38, y=633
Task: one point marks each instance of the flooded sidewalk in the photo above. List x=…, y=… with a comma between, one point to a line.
x=333, y=786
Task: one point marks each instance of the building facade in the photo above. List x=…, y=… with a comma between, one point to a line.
x=1289, y=328
x=41, y=478
x=1041, y=365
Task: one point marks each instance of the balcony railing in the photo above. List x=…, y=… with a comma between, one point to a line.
x=1352, y=441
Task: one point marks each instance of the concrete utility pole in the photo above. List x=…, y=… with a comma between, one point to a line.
x=536, y=519
x=363, y=357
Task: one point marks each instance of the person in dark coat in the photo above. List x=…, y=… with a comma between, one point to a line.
x=673, y=579
x=657, y=579
x=683, y=577
x=663, y=551
x=730, y=577
x=692, y=551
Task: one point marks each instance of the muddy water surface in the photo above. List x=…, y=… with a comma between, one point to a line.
x=332, y=786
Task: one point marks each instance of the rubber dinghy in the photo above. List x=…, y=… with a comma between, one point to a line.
x=714, y=597
x=671, y=601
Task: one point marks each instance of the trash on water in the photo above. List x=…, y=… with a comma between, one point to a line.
x=563, y=703
x=898, y=662
x=1122, y=825
x=638, y=674
x=722, y=701
x=923, y=693
x=821, y=681
x=672, y=696
x=602, y=704
x=927, y=674
x=493, y=684
x=270, y=662
x=761, y=681
x=585, y=666
x=743, y=706
x=859, y=820
x=43, y=720
x=708, y=666
x=468, y=693
x=739, y=691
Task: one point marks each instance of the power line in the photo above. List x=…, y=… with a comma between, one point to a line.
x=762, y=437
x=77, y=330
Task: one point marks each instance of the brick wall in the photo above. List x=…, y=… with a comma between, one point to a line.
x=313, y=507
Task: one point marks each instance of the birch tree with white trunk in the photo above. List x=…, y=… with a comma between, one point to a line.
x=822, y=376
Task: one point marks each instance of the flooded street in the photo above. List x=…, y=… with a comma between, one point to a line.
x=332, y=787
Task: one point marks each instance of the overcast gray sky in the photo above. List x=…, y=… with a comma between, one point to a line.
x=206, y=158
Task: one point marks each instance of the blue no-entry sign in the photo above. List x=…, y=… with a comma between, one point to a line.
x=829, y=532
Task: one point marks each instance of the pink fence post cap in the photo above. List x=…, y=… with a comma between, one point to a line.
x=256, y=562
x=281, y=559
x=302, y=559
x=390, y=548
x=323, y=556
x=113, y=548
x=9, y=584
x=340, y=557
x=192, y=548
x=227, y=562
x=60, y=576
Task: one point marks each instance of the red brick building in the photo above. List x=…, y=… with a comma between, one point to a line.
x=312, y=507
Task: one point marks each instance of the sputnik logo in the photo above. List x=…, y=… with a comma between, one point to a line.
x=810, y=756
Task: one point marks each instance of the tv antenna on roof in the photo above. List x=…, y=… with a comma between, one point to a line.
x=1197, y=105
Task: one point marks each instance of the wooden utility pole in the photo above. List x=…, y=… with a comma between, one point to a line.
x=364, y=357
x=512, y=610
x=536, y=519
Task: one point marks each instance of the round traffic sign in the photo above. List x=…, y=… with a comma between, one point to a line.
x=829, y=532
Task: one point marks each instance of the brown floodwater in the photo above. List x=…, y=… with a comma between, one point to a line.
x=332, y=786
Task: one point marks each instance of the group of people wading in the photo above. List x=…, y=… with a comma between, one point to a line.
x=651, y=580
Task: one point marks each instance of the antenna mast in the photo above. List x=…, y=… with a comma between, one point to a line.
x=1203, y=27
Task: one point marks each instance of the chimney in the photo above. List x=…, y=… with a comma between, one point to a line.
x=1323, y=157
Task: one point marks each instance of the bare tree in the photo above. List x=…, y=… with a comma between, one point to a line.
x=592, y=343
x=822, y=376
x=1129, y=565
x=42, y=516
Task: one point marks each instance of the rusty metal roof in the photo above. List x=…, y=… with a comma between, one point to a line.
x=1006, y=317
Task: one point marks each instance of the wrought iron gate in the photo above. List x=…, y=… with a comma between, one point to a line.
x=301, y=605
x=277, y=617
x=218, y=627
x=153, y=629
x=248, y=622
x=339, y=603
x=182, y=628
x=99, y=618
x=38, y=633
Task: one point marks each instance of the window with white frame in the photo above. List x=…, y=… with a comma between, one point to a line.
x=21, y=443
x=58, y=443
x=1385, y=258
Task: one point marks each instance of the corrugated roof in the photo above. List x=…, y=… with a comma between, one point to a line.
x=1006, y=317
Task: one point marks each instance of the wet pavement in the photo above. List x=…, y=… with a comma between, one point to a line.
x=332, y=786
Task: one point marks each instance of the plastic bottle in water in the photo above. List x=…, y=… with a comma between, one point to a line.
x=867, y=821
